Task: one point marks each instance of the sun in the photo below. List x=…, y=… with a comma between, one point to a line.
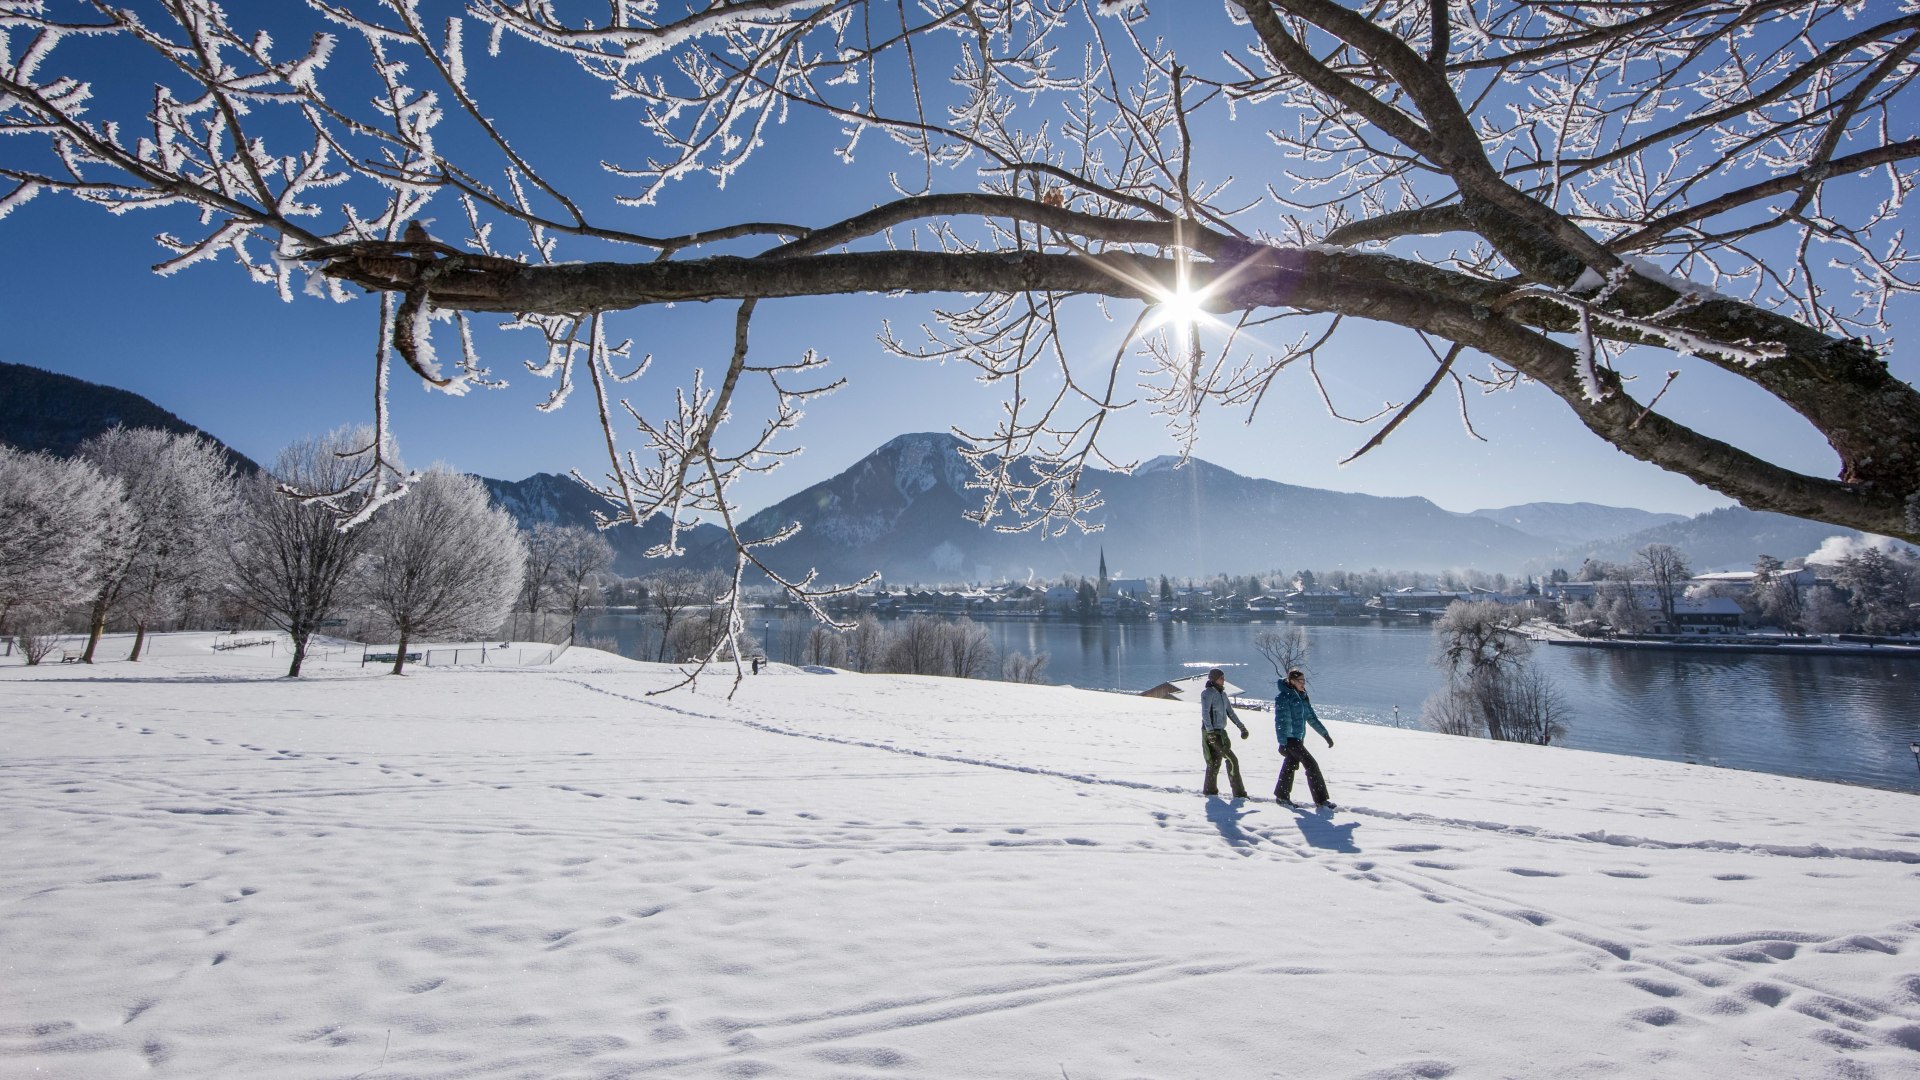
x=1181, y=310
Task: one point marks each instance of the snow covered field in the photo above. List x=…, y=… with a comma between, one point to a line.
x=211, y=871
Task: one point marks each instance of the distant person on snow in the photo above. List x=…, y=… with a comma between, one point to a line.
x=1292, y=712
x=1215, y=711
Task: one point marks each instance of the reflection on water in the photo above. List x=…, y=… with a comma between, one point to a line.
x=1839, y=718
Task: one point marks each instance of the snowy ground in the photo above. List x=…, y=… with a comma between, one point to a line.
x=210, y=871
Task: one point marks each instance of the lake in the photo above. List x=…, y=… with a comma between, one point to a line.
x=1842, y=718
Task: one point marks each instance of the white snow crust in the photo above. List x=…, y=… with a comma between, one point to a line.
x=213, y=871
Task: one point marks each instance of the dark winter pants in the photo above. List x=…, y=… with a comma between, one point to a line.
x=1219, y=747
x=1296, y=756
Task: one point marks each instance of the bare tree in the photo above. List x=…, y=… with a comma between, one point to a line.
x=291, y=560
x=1285, y=648
x=1452, y=710
x=916, y=647
x=36, y=634
x=674, y=595
x=543, y=550
x=1776, y=596
x=1019, y=668
x=179, y=492
x=826, y=647
x=55, y=511
x=1591, y=200
x=1666, y=569
x=867, y=644
x=443, y=560
x=969, y=649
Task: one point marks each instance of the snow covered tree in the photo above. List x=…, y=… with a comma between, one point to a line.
x=292, y=563
x=441, y=561
x=170, y=539
x=54, y=514
x=1588, y=200
x=1824, y=610
x=1880, y=590
x=1492, y=685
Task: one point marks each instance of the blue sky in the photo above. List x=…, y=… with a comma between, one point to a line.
x=228, y=356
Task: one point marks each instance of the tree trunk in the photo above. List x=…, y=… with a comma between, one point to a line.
x=139, y=639
x=400, y=654
x=299, y=635
x=96, y=626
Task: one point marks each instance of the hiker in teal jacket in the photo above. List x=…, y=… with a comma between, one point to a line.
x=1292, y=712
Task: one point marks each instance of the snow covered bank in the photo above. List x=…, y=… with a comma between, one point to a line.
x=214, y=872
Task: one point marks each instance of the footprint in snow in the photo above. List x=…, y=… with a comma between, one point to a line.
x=1658, y=1016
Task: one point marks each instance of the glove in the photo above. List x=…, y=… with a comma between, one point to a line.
x=1243, y=734
x=1329, y=744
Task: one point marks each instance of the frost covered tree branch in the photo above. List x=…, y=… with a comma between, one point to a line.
x=1568, y=193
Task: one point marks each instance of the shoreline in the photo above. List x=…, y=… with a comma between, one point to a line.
x=1904, y=652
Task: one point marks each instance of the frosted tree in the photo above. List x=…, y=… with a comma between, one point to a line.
x=53, y=517
x=291, y=561
x=1492, y=685
x=1591, y=201
x=170, y=540
x=581, y=558
x=443, y=561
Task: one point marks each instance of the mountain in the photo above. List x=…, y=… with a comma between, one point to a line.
x=1725, y=539
x=41, y=411
x=564, y=501
x=898, y=511
x=1575, y=524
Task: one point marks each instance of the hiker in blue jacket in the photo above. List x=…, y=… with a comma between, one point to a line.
x=1215, y=711
x=1292, y=712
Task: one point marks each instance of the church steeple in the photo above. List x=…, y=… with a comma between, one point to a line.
x=1103, y=570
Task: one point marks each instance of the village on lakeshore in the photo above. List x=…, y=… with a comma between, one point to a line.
x=1655, y=600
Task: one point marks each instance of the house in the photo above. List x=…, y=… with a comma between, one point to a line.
x=1325, y=600
x=1421, y=599
x=1061, y=597
x=1707, y=615
x=1187, y=689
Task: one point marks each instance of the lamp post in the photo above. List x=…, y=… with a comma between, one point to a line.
x=1915, y=747
x=766, y=638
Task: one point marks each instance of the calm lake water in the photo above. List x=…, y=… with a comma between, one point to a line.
x=1840, y=718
